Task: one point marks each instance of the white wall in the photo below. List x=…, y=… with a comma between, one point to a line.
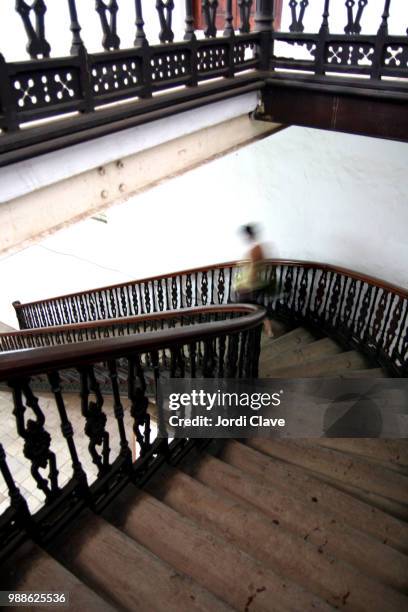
x=319, y=195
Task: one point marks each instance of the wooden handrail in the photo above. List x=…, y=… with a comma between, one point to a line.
x=20, y=363
x=101, y=323
x=372, y=280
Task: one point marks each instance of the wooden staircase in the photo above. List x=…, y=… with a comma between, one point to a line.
x=265, y=525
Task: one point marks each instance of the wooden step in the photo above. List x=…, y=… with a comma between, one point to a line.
x=287, y=342
x=253, y=532
x=394, y=452
x=389, y=506
x=279, y=329
x=315, y=525
x=32, y=569
x=330, y=365
x=216, y=564
x=128, y=573
x=309, y=352
x=365, y=373
x=296, y=481
x=349, y=469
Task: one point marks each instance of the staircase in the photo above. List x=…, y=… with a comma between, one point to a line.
x=256, y=525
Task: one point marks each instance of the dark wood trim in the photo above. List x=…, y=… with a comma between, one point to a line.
x=67, y=132
x=137, y=319
x=361, y=111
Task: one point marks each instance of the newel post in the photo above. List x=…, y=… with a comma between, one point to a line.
x=19, y=314
x=264, y=24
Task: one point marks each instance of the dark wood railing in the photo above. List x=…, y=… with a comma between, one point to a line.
x=46, y=87
x=375, y=55
x=118, y=376
x=361, y=311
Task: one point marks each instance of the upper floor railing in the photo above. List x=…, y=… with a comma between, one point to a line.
x=88, y=89
x=364, y=48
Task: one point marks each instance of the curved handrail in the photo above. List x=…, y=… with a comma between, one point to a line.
x=230, y=264
x=25, y=362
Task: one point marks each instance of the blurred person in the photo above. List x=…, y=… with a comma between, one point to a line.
x=252, y=283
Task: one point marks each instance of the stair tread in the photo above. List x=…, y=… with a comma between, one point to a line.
x=32, y=569
x=313, y=524
x=301, y=483
x=256, y=534
x=395, y=452
x=313, y=350
x=287, y=341
x=354, y=470
x=220, y=566
x=332, y=364
x=133, y=577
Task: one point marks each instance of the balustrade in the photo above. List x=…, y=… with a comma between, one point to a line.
x=115, y=378
x=83, y=82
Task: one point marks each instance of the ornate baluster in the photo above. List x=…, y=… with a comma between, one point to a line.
x=321, y=45
x=379, y=315
x=192, y=353
x=67, y=431
x=165, y=11
x=229, y=27
x=232, y=356
x=380, y=42
x=302, y=292
x=95, y=420
x=135, y=301
x=297, y=18
x=110, y=39
x=363, y=314
x=209, y=8
x=140, y=39
x=288, y=287
x=245, y=12
x=391, y=331
x=77, y=42
x=189, y=291
x=37, y=440
x=390, y=299
x=118, y=410
x=242, y=352
x=160, y=295
x=139, y=404
x=221, y=356
x=400, y=350
x=174, y=292
x=353, y=23
x=357, y=303
x=221, y=286
x=204, y=288
x=208, y=365
x=147, y=298
x=189, y=21
x=17, y=501
x=37, y=44
x=264, y=16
